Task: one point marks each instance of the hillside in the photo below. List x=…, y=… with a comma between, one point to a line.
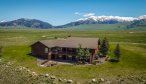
x=138, y=23
x=90, y=23
x=105, y=27
x=100, y=20
x=26, y=23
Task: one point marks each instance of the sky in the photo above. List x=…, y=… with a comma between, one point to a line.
x=59, y=12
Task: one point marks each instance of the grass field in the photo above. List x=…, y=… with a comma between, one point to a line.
x=94, y=27
x=16, y=46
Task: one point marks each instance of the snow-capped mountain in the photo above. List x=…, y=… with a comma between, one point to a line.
x=100, y=20
x=130, y=21
x=107, y=18
x=2, y=21
x=141, y=21
x=142, y=17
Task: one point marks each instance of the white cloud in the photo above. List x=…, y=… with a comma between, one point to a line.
x=77, y=13
x=88, y=14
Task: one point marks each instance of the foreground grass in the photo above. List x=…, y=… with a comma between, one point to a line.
x=16, y=46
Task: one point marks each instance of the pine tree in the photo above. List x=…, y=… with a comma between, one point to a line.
x=104, y=47
x=117, y=52
x=80, y=52
x=86, y=54
x=83, y=54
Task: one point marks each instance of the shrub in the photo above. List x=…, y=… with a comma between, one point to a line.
x=117, y=52
x=113, y=60
x=104, y=47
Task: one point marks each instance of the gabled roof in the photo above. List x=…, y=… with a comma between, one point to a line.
x=72, y=42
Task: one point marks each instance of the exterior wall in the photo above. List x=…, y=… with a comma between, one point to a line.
x=38, y=49
x=94, y=53
x=65, y=55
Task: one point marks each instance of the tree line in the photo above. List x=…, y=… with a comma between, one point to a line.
x=83, y=54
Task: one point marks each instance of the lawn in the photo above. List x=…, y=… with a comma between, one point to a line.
x=16, y=46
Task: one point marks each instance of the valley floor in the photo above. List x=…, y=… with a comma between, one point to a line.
x=130, y=69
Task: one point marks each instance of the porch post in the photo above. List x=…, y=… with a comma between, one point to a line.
x=66, y=54
x=49, y=55
x=91, y=58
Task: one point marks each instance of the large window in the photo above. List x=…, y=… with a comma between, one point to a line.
x=46, y=50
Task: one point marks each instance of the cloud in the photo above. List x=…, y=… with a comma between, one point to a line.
x=88, y=14
x=77, y=13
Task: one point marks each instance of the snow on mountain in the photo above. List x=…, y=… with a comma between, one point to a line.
x=107, y=18
x=2, y=21
x=142, y=17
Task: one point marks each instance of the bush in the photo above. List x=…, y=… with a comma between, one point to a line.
x=113, y=60
x=117, y=52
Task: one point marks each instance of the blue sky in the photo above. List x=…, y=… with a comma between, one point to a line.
x=58, y=12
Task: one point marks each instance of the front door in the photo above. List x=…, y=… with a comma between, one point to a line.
x=52, y=56
x=63, y=57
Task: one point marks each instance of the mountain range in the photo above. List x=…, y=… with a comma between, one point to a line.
x=34, y=23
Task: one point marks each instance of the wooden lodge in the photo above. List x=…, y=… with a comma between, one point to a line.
x=64, y=49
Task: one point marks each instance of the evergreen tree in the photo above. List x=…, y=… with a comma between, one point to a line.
x=117, y=52
x=86, y=54
x=104, y=47
x=80, y=53
x=83, y=54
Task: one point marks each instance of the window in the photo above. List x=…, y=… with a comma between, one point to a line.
x=46, y=50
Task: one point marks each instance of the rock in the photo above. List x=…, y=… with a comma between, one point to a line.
x=42, y=65
x=53, y=77
x=144, y=81
x=6, y=66
x=20, y=68
x=34, y=73
x=64, y=79
x=108, y=82
x=60, y=79
x=23, y=68
x=69, y=81
x=46, y=75
x=93, y=80
x=28, y=70
x=9, y=63
x=122, y=80
x=101, y=79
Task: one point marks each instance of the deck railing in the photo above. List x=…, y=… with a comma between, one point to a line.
x=63, y=52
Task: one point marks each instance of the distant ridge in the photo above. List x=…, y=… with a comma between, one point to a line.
x=103, y=20
x=130, y=22
x=31, y=23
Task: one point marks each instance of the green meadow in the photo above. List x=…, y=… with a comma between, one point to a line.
x=16, y=47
